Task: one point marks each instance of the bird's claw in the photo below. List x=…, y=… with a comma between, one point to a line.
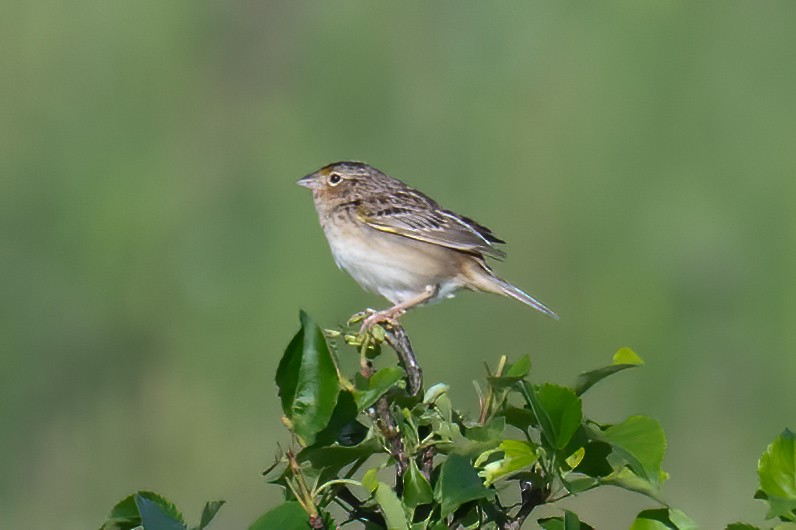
x=388, y=316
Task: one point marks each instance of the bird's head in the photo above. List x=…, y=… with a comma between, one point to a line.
x=341, y=182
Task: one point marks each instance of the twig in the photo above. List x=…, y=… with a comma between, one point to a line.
x=427, y=461
x=399, y=341
x=380, y=413
x=389, y=430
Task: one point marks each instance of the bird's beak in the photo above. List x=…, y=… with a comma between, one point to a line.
x=310, y=181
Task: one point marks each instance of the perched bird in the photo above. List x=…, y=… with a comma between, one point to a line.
x=400, y=243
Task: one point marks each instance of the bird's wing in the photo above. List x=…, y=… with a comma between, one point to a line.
x=416, y=216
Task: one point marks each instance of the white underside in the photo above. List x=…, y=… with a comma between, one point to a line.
x=393, y=266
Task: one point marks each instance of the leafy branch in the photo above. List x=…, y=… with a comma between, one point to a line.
x=378, y=450
x=449, y=471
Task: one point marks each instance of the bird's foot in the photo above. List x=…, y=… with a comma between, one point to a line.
x=387, y=316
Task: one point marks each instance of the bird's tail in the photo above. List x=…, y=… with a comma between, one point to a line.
x=515, y=292
x=480, y=277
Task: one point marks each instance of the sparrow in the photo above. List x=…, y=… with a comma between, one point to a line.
x=400, y=243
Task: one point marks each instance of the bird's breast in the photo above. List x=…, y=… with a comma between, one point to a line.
x=394, y=266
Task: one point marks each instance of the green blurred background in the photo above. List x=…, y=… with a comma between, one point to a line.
x=638, y=157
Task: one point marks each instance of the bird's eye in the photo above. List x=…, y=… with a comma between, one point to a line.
x=335, y=179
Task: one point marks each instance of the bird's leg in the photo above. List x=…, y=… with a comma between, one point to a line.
x=392, y=314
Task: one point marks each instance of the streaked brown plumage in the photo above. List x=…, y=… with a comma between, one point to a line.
x=400, y=243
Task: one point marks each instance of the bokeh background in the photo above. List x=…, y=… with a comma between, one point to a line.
x=638, y=157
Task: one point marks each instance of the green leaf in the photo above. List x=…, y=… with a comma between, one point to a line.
x=663, y=519
x=308, y=381
x=503, y=382
x=209, y=512
x=491, y=432
x=458, y=483
x=120, y=524
x=517, y=455
x=275, y=473
x=332, y=459
x=595, y=460
x=623, y=359
x=417, y=489
x=370, y=480
x=343, y=415
x=569, y=521
x=377, y=332
x=777, y=472
x=656, y=519
x=641, y=442
x=377, y=385
x=627, y=356
x=521, y=418
x=352, y=433
x=144, y=508
x=741, y=526
x=579, y=485
x=785, y=509
x=124, y=515
x=286, y=516
x=681, y=520
x=512, y=374
x=575, y=458
x=558, y=410
x=574, y=451
x=551, y=523
x=435, y=392
x=157, y=513
x=519, y=368
x=626, y=479
x=391, y=508
x=469, y=517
